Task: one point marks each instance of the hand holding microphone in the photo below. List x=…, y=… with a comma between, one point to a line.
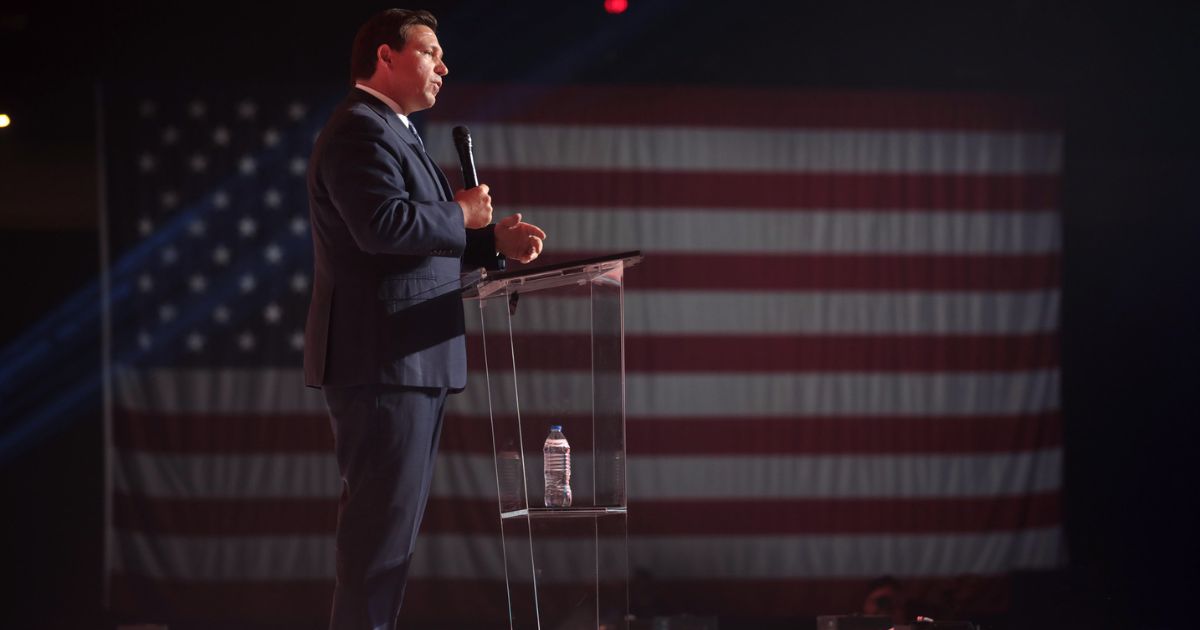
x=515, y=239
x=476, y=206
x=474, y=199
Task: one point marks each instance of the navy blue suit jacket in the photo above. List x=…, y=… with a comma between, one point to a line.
x=389, y=245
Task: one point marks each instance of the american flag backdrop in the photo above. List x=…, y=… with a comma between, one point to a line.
x=841, y=349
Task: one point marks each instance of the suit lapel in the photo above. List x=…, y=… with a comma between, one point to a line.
x=441, y=177
x=434, y=172
x=409, y=140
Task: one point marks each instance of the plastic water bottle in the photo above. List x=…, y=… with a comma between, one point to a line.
x=556, y=463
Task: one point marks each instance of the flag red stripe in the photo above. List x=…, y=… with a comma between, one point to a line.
x=845, y=272
x=310, y=433
x=782, y=353
x=745, y=107
x=439, y=603
x=221, y=434
x=646, y=190
x=878, y=435
x=282, y=517
x=844, y=516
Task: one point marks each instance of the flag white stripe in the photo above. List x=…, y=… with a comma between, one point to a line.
x=738, y=394
x=670, y=312
x=755, y=232
x=271, y=391
x=462, y=476
x=764, y=150
x=473, y=557
x=699, y=395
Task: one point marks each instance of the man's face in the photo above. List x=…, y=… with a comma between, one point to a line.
x=416, y=71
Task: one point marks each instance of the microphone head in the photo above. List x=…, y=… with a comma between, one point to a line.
x=462, y=136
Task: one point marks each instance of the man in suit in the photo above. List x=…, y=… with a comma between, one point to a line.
x=384, y=337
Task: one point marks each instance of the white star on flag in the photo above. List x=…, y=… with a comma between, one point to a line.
x=246, y=110
x=221, y=255
x=197, y=283
x=299, y=282
x=195, y=341
x=273, y=253
x=272, y=313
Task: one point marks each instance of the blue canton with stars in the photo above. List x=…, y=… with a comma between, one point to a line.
x=210, y=255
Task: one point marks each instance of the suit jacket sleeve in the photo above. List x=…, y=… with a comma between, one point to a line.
x=364, y=173
x=481, y=250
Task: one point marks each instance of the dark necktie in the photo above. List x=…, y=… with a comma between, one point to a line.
x=413, y=129
x=429, y=165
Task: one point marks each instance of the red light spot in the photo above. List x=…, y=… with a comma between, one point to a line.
x=616, y=6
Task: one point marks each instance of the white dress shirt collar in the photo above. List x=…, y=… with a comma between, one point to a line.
x=387, y=101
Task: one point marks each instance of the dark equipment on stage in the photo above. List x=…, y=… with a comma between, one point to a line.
x=674, y=622
x=853, y=622
x=873, y=622
x=939, y=625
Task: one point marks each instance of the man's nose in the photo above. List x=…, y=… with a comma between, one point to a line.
x=441, y=69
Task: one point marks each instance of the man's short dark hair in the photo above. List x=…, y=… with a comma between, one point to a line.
x=386, y=27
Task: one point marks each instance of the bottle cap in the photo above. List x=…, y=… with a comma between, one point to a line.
x=556, y=427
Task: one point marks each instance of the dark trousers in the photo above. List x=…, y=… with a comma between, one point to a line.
x=386, y=438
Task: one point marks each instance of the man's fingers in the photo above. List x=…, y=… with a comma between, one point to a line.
x=534, y=231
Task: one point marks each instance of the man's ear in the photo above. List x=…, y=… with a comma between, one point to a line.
x=384, y=54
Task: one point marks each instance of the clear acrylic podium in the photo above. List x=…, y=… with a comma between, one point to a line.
x=553, y=344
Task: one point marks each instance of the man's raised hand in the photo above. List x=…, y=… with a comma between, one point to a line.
x=517, y=240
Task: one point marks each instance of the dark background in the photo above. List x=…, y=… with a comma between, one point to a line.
x=1126, y=76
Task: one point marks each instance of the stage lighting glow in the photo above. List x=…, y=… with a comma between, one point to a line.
x=616, y=6
x=5, y=120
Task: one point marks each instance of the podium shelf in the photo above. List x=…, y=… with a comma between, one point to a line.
x=571, y=512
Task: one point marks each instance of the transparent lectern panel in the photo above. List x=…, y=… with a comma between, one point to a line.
x=608, y=388
x=519, y=573
x=582, y=567
x=555, y=355
x=507, y=436
x=551, y=347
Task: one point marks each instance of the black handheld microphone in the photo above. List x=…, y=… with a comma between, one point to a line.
x=462, y=142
